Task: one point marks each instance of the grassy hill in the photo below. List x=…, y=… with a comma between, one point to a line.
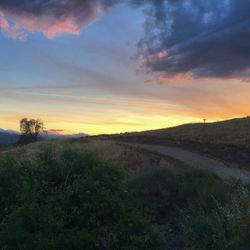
x=234, y=132
x=227, y=140
x=103, y=195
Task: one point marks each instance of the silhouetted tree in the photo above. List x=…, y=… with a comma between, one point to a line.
x=30, y=130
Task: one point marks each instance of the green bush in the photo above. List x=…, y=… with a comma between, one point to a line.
x=222, y=226
x=62, y=198
x=195, y=209
x=68, y=200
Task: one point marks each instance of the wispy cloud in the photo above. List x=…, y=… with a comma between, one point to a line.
x=56, y=131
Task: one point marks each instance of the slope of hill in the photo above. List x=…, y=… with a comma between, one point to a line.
x=227, y=140
x=234, y=132
x=105, y=195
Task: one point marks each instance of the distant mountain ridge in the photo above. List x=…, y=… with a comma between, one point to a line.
x=8, y=131
x=10, y=137
x=59, y=136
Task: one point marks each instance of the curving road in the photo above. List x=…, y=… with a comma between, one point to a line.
x=196, y=160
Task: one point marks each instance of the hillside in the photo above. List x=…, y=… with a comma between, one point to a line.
x=234, y=132
x=104, y=195
x=227, y=140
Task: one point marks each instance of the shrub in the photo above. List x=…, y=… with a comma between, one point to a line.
x=68, y=200
x=222, y=226
x=196, y=209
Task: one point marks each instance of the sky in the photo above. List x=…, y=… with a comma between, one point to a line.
x=109, y=66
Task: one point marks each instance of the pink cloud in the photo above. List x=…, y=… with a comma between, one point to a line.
x=4, y=25
x=162, y=54
x=49, y=28
x=66, y=26
x=152, y=58
x=17, y=26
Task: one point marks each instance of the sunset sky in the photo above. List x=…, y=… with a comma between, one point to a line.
x=105, y=66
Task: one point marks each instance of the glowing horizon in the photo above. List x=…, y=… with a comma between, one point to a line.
x=98, y=67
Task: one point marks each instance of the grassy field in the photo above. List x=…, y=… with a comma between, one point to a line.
x=233, y=132
x=227, y=140
x=132, y=161
x=102, y=195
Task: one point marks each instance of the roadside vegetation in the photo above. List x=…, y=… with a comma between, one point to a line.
x=102, y=195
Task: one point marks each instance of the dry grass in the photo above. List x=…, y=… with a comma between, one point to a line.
x=228, y=140
x=233, y=132
x=133, y=161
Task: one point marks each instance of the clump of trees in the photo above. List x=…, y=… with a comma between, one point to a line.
x=30, y=130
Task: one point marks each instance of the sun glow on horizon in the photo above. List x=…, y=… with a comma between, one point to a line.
x=98, y=67
x=130, y=124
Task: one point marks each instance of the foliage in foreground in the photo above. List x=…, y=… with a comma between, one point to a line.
x=195, y=209
x=63, y=198
x=68, y=200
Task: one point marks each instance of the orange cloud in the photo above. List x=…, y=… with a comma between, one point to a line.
x=56, y=131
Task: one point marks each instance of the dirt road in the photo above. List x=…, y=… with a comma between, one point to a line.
x=196, y=160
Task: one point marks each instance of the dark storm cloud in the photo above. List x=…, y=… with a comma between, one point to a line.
x=57, y=8
x=206, y=38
